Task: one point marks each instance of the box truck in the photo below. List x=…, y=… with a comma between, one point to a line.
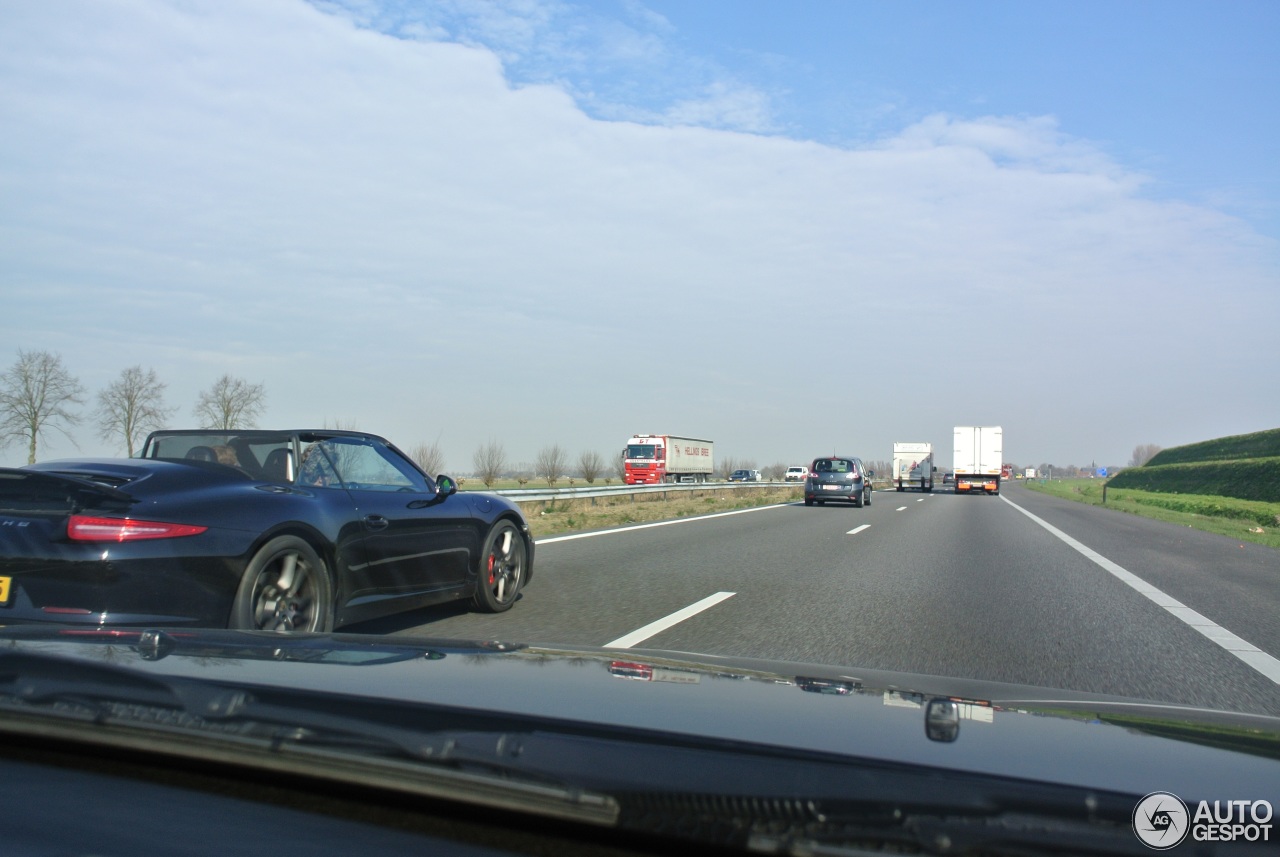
x=979, y=459
x=913, y=466
x=649, y=459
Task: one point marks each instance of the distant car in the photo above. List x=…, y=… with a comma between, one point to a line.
x=295, y=530
x=746, y=476
x=843, y=478
x=796, y=474
x=948, y=479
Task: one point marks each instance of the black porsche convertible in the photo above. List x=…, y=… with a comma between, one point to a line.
x=299, y=530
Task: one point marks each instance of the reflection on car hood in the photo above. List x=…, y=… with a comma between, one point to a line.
x=1068, y=738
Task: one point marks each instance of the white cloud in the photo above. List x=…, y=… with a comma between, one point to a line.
x=385, y=229
x=725, y=106
x=1034, y=142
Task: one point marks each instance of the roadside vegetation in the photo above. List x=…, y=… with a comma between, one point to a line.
x=552, y=517
x=1245, y=466
x=1229, y=486
x=1246, y=520
x=1259, y=444
x=1243, y=479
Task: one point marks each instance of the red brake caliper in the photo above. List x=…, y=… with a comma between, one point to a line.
x=491, y=564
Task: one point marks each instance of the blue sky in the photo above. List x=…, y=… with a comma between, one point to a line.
x=1183, y=91
x=789, y=227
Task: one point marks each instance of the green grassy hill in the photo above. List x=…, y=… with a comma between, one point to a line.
x=1245, y=466
x=1259, y=444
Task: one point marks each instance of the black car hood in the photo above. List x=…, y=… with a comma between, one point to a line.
x=1062, y=737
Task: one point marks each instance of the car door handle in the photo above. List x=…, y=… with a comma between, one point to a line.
x=375, y=522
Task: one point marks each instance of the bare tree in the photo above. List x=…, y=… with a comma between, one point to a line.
x=620, y=466
x=774, y=472
x=591, y=465
x=429, y=457
x=881, y=468
x=490, y=460
x=1142, y=453
x=36, y=395
x=131, y=406
x=727, y=465
x=551, y=463
x=231, y=403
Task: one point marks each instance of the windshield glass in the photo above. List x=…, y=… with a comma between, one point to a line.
x=356, y=464
x=255, y=452
x=642, y=450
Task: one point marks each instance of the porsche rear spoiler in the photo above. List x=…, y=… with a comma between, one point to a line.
x=39, y=491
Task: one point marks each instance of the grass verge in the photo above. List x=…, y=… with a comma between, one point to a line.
x=1245, y=479
x=1245, y=520
x=548, y=518
x=474, y=484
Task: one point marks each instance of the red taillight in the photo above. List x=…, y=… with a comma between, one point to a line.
x=82, y=528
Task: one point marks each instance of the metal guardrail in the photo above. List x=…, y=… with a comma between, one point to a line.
x=533, y=495
x=537, y=495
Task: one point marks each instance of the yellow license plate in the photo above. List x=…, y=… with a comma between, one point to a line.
x=4, y=590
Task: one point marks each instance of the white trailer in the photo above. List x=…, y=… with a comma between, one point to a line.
x=690, y=459
x=979, y=459
x=913, y=466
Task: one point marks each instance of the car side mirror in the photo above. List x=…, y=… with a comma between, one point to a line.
x=445, y=486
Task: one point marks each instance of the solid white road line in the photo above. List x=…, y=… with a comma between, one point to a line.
x=857, y=530
x=657, y=524
x=1242, y=649
x=663, y=624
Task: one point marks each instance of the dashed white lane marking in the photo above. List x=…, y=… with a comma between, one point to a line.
x=1242, y=649
x=900, y=509
x=920, y=500
x=857, y=530
x=657, y=524
x=642, y=634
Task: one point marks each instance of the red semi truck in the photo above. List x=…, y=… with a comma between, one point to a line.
x=653, y=458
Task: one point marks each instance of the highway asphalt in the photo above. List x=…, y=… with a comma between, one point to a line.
x=1021, y=588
